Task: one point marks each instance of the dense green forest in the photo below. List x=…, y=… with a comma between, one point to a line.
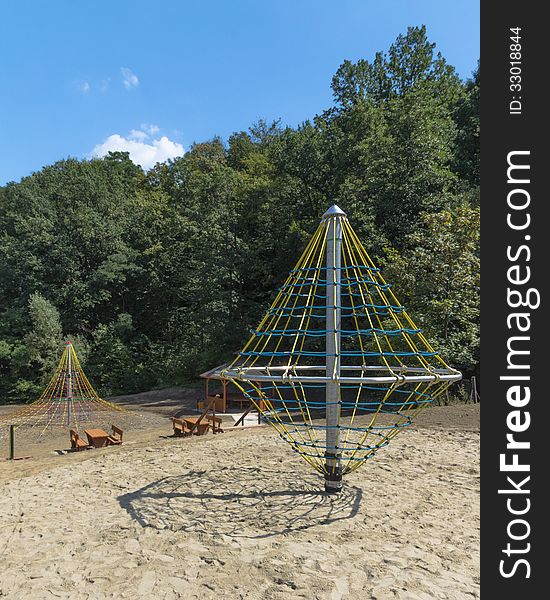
x=158, y=276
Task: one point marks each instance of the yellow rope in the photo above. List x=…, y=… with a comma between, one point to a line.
x=59, y=405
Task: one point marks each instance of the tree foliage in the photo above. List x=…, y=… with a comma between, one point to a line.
x=159, y=275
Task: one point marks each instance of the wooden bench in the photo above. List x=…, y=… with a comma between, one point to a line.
x=180, y=427
x=215, y=423
x=77, y=443
x=197, y=425
x=115, y=439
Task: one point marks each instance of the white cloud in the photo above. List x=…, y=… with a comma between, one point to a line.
x=146, y=130
x=138, y=135
x=150, y=128
x=144, y=154
x=129, y=79
x=104, y=85
x=84, y=87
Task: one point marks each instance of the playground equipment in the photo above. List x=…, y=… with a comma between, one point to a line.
x=68, y=400
x=337, y=366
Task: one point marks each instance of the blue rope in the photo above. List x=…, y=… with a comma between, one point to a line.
x=392, y=413
x=355, y=386
x=301, y=281
x=344, y=294
x=343, y=332
x=364, y=407
x=344, y=457
x=344, y=353
x=394, y=308
x=420, y=397
x=369, y=268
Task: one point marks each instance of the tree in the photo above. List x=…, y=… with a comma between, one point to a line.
x=160, y=275
x=438, y=281
x=410, y=64
x=31, y=359
x=467, y=143
x=45, y=339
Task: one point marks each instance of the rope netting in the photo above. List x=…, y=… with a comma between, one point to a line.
x=337, y=365
x=68, y=400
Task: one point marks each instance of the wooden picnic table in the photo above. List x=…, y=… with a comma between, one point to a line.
x=97, y=437
x=199, y=428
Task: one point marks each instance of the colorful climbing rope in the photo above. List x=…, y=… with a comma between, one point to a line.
x=337, y=366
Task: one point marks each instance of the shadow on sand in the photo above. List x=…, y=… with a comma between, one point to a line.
x=251, y=502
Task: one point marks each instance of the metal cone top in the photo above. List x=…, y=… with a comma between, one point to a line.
x=334, y=211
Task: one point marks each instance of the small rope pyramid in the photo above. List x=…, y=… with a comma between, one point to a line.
x=337, y=366
x=68, y=400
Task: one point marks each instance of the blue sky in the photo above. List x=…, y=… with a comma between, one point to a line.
x=153, y=77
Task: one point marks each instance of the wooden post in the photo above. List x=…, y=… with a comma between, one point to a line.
x=261, y=405
x=12, y=442
x=213, y=417
x=202, y=403
x=474, y=395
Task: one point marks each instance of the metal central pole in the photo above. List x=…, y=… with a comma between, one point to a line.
x=333, y=474
x=69, y=384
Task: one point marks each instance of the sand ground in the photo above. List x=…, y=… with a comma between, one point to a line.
x=238, y=515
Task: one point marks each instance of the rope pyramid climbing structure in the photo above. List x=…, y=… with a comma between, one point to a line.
x=68, y=400
x=337, y=366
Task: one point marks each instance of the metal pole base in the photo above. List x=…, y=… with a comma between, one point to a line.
x=333, y=479
x=333, y=487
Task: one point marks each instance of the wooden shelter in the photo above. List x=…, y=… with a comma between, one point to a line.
x=227, y=393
